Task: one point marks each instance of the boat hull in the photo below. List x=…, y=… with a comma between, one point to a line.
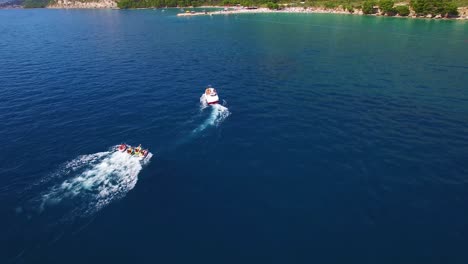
x=212, y=99
x=211, y=96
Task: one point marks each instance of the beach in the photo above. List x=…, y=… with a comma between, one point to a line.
x=309, y=10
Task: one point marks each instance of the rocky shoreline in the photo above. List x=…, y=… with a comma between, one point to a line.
x=66, y=4
x=112, y=4
x=315, y=10
x=77, y=4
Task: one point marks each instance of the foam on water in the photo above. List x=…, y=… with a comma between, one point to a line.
x=90, y=182
x=218, y=114
x=203, y=103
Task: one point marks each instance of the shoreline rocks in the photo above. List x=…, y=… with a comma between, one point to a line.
x=112, y=4
x=316, y=10
x=78, y=4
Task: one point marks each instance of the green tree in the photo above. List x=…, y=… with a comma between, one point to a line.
x=386, y=6
x=247, y=3
x=272, y=5
x=331, y=5
x=348, y=7
x=171, y=3
x=368, y=7
x=451, y=9
x=434, y=7
x=402, y=10
x=35, y=3
x=124, y=4
x=419, y=6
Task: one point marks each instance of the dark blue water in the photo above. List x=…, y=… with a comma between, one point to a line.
x=343, y=139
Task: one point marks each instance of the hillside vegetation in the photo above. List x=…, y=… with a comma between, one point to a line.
x=35, y=3
x=388, y=7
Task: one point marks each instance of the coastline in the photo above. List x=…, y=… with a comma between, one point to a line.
x=70, y=4
x=315, y=10
x=112, y=4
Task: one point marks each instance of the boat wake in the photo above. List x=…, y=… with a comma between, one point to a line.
x=203, y=103
x=65, y=202
x=88, y=183
x=218, y=114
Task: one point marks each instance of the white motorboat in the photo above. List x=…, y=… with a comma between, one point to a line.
x=211, y=96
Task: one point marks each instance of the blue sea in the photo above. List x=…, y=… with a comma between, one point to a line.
x=339, y=138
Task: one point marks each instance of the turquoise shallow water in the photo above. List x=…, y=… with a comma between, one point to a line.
x=341, y=138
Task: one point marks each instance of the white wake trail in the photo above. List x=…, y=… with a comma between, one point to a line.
x=203, y=103
x=218, y=114
x=90, y=182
